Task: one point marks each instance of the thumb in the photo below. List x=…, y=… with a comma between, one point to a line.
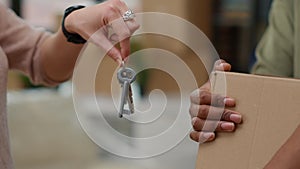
x=222, y=65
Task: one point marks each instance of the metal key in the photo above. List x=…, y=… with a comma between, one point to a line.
x=126, y=76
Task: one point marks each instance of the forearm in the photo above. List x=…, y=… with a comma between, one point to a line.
x=289, y=154
x=58, y=57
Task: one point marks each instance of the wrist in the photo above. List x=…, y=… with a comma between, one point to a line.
x=68, y=28
x=69, y=24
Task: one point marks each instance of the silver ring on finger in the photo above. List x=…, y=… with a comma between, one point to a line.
x=128, y=15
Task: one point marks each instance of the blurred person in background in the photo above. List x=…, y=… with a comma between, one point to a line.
x=49, y=59
x=278, y=54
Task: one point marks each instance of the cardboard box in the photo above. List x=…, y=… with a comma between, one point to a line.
x=270, y=108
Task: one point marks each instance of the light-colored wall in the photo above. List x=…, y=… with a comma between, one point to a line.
x=198, y=13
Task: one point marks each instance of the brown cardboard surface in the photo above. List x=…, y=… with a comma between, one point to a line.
x=270, y=108
x=200, y=13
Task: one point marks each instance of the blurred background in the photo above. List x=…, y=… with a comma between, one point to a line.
x=44, y=129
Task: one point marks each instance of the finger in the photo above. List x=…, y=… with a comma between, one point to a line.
x=195, y=95
x=214, y=113
x=115, y=55
x=131, y=23
x=211, y=126
x=202, y=137
x=119, y=27
x=204, y=97
x=125, y=48
x=114, y=38
x=121, y=5
x=99, y=39
x=221, y=65
x=220, y=61
x=121, y=30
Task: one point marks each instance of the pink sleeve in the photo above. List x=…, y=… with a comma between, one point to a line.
x=21, y=44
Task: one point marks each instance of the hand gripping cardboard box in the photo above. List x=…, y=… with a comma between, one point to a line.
x=271, y=112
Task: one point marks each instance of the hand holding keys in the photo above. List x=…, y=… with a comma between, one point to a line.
x=126, y=76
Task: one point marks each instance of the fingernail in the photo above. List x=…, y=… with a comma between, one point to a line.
x=236, y=118
x=204, y=137
x=229, y=101
x=227, y=126
x=119, y=61
x=208, y=135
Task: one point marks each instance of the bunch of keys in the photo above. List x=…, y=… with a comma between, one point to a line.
x=126, y=76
